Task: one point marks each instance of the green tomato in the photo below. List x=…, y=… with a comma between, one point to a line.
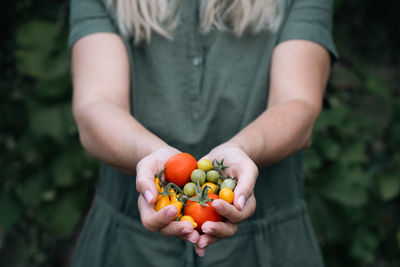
x=198, y=176
x=212, y=176
x=220, y=181
x=189, y=189
x=229, y=183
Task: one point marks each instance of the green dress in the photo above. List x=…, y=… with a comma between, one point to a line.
x=195, y=92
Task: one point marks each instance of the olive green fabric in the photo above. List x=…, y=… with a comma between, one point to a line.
x=195, y=92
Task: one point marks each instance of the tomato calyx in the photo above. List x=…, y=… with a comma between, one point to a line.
x=177, y=191
x=201, y=195
x=219, y=165
x=161, y=181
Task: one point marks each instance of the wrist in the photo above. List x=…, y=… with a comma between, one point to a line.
x=234, y=143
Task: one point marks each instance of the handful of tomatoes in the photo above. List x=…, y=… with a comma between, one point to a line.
x=191, y=186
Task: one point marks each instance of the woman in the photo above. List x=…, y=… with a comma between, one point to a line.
x=240, y=80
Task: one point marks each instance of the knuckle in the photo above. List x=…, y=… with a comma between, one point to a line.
x=236, y=219
x=164, y=233
x=233, y=230
x=148, y=225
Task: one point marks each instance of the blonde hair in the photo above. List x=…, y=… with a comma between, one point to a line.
x=138, y=18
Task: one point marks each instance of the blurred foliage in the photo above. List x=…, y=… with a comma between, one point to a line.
x=46, y=178
x=352, y=169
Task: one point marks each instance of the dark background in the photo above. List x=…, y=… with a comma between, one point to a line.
x=352, y=169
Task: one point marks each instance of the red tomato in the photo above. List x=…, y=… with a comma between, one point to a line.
x=179, y=168
x=202, y=214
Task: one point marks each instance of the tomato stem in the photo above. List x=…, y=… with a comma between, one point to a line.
x=158, y=175
x=201, y=195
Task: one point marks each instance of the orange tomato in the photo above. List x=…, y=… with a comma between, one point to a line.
x=179, y=168
x=200, y=213
x=227, y=195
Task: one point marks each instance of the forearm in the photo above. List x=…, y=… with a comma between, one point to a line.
x=112, y=135
x=280, y=131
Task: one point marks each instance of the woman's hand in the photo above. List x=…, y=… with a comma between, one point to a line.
x=246, y=172
x=162, y=220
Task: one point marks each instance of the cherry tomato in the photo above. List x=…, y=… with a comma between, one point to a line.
x=213, y=188
x=198, y=176
x=227, y=195
x=201, y=214
x=212, y=176
x=175, y=202
x=190, y=219
x=189, y=189
x=162, y=202
x=179, y=168
x=204, y=164
x=230, y=183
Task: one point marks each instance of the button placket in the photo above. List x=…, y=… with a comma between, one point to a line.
x=196, y=57
x=197, y=61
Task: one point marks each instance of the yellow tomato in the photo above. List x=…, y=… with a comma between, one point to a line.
x=162, y=202
x=213, y=188
x=159, y=189
x=204, y=164
x=175, y=202
x=227, y=195
x=190, y=219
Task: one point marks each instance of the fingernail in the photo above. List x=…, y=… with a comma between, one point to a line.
x=171, y=213
x=201, y=254
x=148, y=196
x=192, y=239
x=241, y=201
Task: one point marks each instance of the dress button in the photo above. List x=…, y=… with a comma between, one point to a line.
x=197, y=61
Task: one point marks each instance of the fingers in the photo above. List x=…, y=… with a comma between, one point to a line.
x=214, y=231
x=231, y=213
x=219, y=229
x=155, y=220
x=181, y=229
x=199, y=251
x=145, y=181
x=146, y=170
x=247, y=176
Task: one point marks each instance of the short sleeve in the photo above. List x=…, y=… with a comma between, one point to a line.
x=86, y=17
x=310, y=20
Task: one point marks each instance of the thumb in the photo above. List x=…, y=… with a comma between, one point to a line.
x=247, y=178
x=145, y=181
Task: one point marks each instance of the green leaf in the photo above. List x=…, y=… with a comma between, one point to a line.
x=52, y=121
x=389, y=186
x=342, y=190
x=364, y=245
x=377, y=85
x=37, y=54
x=10, y=211
x=30, y=192
x=329, y=148
x=62, y=172
x=353, y=153
x=61, y=215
